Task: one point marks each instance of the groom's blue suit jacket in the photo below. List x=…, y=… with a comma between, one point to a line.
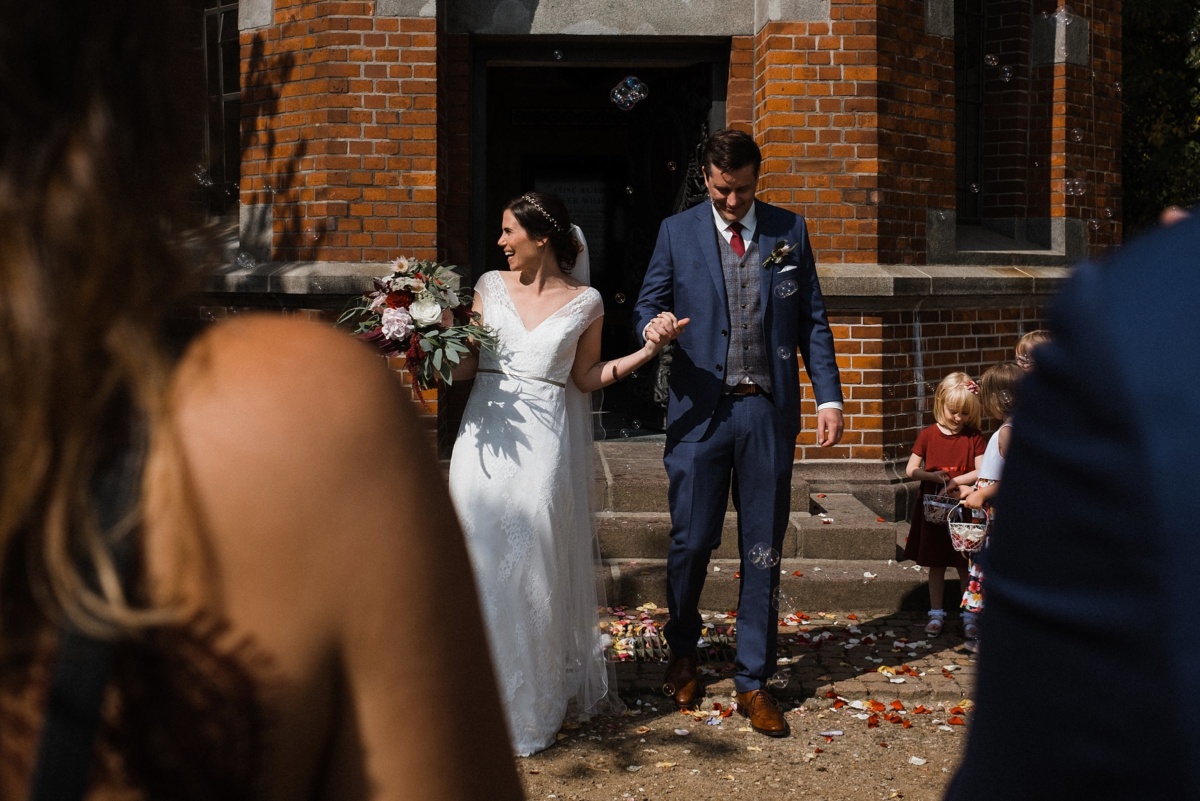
x=684, y=277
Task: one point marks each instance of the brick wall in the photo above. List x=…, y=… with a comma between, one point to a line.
x=916, y=129
x=739, y=90
x=816, y=103
x=339, y=122
x=891, y=363
x=1089, y=127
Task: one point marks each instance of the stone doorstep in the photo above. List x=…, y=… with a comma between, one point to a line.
x=823, y=584
x=630, y=477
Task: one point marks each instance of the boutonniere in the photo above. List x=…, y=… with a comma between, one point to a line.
x=778, y=254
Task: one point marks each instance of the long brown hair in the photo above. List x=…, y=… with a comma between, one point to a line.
x=93, y=177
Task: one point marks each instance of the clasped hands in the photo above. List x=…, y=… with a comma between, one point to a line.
x=664, y=328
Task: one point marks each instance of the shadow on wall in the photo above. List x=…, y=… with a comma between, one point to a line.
x=275, y=172
x=504, y=17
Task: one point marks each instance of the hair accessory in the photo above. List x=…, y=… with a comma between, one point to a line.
x=529, y=199
x=972, y=387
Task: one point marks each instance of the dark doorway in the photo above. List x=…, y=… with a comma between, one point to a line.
x=544, y=119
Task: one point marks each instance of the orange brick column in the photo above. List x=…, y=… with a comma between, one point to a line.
x=339, y=124
x=816, y=118
x=915, y=129
x=1086, y=122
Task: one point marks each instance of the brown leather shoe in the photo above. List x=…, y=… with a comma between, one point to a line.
x=680, y=682
x=765, y=715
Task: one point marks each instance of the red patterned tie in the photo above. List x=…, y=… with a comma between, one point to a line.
x=735, y=240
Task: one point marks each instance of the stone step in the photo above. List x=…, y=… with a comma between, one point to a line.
x=809, y=585
x=647, y=535
x=630, y=477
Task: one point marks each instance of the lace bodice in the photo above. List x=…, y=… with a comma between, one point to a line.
x=547, y=351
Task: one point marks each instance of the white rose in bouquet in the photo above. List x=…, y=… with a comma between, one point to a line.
x=425, y=311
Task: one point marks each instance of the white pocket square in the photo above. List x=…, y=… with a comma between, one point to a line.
x=788, y=268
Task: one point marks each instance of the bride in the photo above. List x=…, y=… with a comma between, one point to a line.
x=520, y=473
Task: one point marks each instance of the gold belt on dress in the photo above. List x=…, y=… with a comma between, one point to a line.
x=521, y=375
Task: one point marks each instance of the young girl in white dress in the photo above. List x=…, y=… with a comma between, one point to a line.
x=520, y=473
x=998, y=388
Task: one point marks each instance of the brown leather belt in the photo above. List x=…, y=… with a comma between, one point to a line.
x=745, y=389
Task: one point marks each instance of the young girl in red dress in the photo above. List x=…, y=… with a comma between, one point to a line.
x=945, y=458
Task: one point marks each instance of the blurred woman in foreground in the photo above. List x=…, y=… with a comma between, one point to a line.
x=236, y=540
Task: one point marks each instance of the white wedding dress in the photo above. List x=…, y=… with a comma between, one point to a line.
x=521, y=481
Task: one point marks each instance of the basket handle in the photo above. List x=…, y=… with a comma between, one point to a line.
x=987, y=516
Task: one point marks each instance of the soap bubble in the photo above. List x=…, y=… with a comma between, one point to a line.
x=1006, y=74
x=787, y=288
x=1076, y=134
x=558, y=55
x=784, y=352
x=671, y=166
x=619, y=297
x=629, y=92
x=780, y=600
x=975, y=188
x=779, y=680
x=1108, y=213
x=1094, y=224
x=991, y=60
x=764, y=556
x=1117, y=87
x=245, y=260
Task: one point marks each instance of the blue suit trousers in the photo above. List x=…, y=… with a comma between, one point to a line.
x=746, y=447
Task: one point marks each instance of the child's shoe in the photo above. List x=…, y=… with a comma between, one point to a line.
x=970, y=625
x=937, y=621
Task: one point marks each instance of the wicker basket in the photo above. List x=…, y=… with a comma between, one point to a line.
x=967, y=536
x=936, y=507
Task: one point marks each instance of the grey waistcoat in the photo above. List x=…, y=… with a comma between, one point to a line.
x=747, y=356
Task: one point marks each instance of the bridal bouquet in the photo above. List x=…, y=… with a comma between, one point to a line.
x=420, y=312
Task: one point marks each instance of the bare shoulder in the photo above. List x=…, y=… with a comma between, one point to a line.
x=256, y=378
x=288, y=425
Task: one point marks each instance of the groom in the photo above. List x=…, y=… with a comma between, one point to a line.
x=743, y=272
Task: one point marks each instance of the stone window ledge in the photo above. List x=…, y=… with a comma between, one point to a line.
x=323, y=278
x=945, y=280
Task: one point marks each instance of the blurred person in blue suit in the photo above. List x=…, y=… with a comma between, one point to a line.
x=1092, y=609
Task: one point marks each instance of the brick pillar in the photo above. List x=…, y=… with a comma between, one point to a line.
x=739, y=90
x=816, y=101
x=1079, y=44
x=916, y=128
x=339, y=119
